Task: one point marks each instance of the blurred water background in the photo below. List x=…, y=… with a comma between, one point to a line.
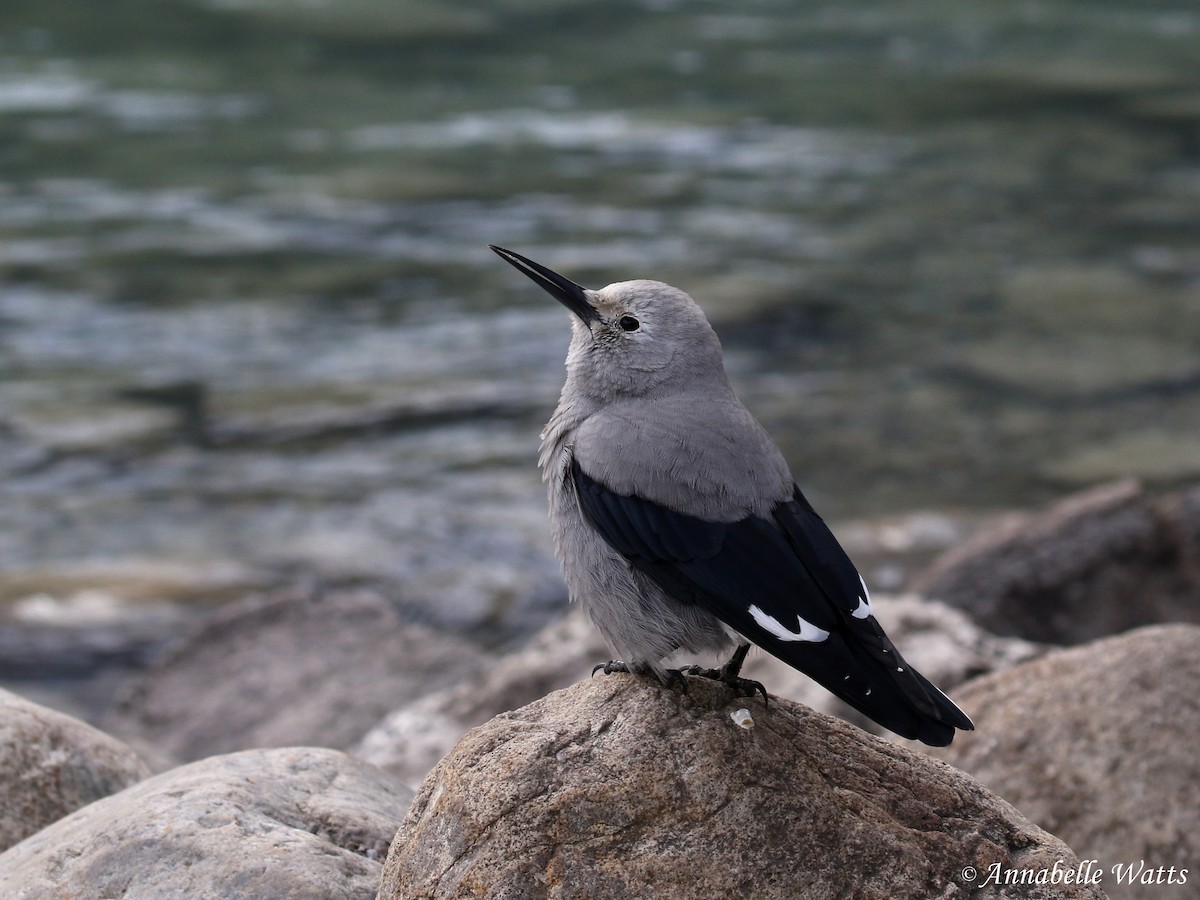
x=251, y=335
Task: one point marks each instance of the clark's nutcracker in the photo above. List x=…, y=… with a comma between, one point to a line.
x=678, y=524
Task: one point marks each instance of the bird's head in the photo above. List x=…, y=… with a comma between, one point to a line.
x=632, y=338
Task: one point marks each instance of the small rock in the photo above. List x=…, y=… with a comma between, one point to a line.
x=1097, y=563
x=616, y=787
x=287, y=669
x=1098, y=745
x=52, y=764
x=293, y=822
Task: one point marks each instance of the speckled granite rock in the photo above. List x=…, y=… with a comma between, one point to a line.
x=1098, y=744
x=618, y=788
x=52, y=764
x=296, y=822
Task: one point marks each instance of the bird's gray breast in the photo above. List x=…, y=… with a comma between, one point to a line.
x=704, y=457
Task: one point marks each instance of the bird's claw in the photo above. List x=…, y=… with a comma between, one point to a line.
x=670, y=678
x=675, y=677
x=613, y=665
x=747, y=687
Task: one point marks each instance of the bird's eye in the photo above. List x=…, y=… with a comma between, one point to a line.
x=629, y=323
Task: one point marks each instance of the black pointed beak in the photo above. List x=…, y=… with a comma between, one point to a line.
x=564, y=290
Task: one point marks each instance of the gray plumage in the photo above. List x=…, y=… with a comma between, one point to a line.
x=678, y=523
x=651, y=413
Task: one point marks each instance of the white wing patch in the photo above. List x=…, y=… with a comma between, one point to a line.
x=808, y=631
x=864, y=608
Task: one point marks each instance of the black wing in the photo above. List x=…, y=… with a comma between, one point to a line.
x=785, y=584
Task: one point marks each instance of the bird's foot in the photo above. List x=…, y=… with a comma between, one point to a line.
x=747, y=687
x=614, y=665
x=670, y=677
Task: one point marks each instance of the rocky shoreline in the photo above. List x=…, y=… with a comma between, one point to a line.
x=277, y=749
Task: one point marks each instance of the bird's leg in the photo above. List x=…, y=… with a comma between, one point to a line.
x=670, y=678
x=729, y=674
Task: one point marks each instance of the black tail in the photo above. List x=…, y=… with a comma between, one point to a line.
x=861, y=666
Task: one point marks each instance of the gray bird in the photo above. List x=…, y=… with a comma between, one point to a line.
x=678, y=524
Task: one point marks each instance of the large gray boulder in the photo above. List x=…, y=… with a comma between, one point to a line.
x=940, y=641
x=284, y=670
x=284, y=823
x=617, y=787
x=52, y=764
x=1095, y=564
x=1099, y=744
